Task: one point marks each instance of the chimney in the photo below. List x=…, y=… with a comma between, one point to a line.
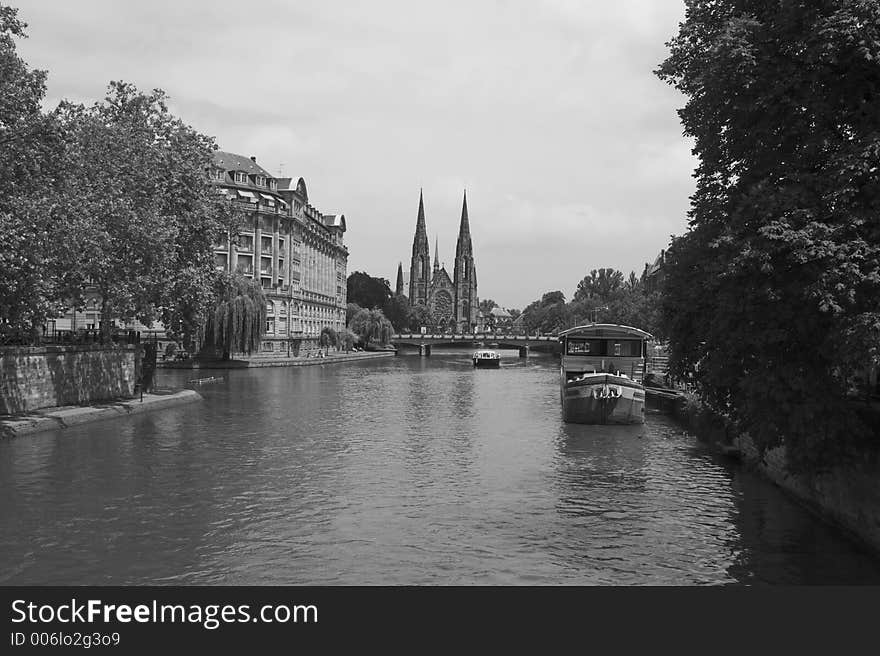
x=253, y=159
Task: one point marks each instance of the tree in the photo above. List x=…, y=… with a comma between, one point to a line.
x=548, y=315
x=38, y=258
x=146, y=205
x=350, y=311
x=419, y=316
x=397, y=310
x=371, y=325
x=486, y=306
x=367, y=291
x=772, y=297
x=238, y=321
x=600, y=284
x=327, y=338
x=346, y=339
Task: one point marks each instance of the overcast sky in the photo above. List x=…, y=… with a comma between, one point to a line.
x=546, y=111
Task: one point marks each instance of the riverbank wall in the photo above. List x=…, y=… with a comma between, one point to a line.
x=274, y=361
x=49, y=419
x=40, y=377
x=845, y=493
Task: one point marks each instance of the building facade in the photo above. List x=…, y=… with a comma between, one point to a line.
x=295, y=251
x=452, y=301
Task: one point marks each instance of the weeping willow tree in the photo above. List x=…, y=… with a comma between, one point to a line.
x=328, y=338
x=239, y=318
x=372, y=325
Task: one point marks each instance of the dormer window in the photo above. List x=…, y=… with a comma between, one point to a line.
x=272, y=184
x=241, y=177
x=261, y=180
x=220, y=174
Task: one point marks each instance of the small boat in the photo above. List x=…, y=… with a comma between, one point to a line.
x=486, y=359
x=204, y=381
x=600, y=374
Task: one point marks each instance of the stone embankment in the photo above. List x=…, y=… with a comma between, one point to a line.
x=845, y=493
x=47, y=419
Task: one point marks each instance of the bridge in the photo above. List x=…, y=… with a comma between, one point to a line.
x=522, y=343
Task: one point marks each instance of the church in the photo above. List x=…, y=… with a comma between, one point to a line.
x=452, y=302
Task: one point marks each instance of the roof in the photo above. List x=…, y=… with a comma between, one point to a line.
x=335, y=221
x=499, y=312
x=233, y=162
x=611, y=330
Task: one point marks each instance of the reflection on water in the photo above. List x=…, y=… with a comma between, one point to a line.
x=396, y=471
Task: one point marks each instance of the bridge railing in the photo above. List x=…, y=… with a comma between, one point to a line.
x=461, y=337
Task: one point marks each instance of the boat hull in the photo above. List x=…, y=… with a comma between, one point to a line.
x=486, y=363
x=603, y=399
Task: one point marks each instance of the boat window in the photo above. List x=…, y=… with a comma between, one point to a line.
x=585, y=347
x=627, y=348
x=578, y=347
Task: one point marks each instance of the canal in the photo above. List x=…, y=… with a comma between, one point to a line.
x=405, y=470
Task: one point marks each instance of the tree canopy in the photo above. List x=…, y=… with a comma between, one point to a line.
x=367, y=291
x=772, y=297
x=370, y=326
x=113, y=198
x=238, y=321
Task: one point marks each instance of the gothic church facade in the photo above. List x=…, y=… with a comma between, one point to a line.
x=452, y=301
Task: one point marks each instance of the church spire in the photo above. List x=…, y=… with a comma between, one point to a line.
x=436, y=254
x=398, y=288
x=463, y=247
x=420, y=263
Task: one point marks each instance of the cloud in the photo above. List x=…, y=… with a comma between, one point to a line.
x=547, y=111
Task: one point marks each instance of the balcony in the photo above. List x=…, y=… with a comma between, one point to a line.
x=246, y=270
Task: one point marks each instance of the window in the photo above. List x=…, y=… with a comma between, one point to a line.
x=578, y=347
x=268, y=346
x=266, y=283
x=281, y=244
x=241, y=177
x=266, y=265
x=220, y=261
x=266, y=245
x=261, y=181
x=246, y=243
x=220, y=174
x=266, y=224
x=245, y=264
x=272, y=184
x=270, y=307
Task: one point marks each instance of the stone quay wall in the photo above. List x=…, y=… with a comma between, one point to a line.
x=845, y=493
x=40, y=377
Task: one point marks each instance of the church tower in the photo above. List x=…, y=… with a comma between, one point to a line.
x=420, y=265
x=398, y=288
x=465, y=276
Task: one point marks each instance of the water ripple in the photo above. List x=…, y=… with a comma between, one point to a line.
x=400, y=471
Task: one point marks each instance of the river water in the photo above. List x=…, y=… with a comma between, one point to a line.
x=405, y=470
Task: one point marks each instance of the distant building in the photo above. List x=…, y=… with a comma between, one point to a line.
x=653, y=274
x=499, y=319
x=453, y=302
x=295, y=251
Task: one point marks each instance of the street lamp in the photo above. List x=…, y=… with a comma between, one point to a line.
x=595, y=312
